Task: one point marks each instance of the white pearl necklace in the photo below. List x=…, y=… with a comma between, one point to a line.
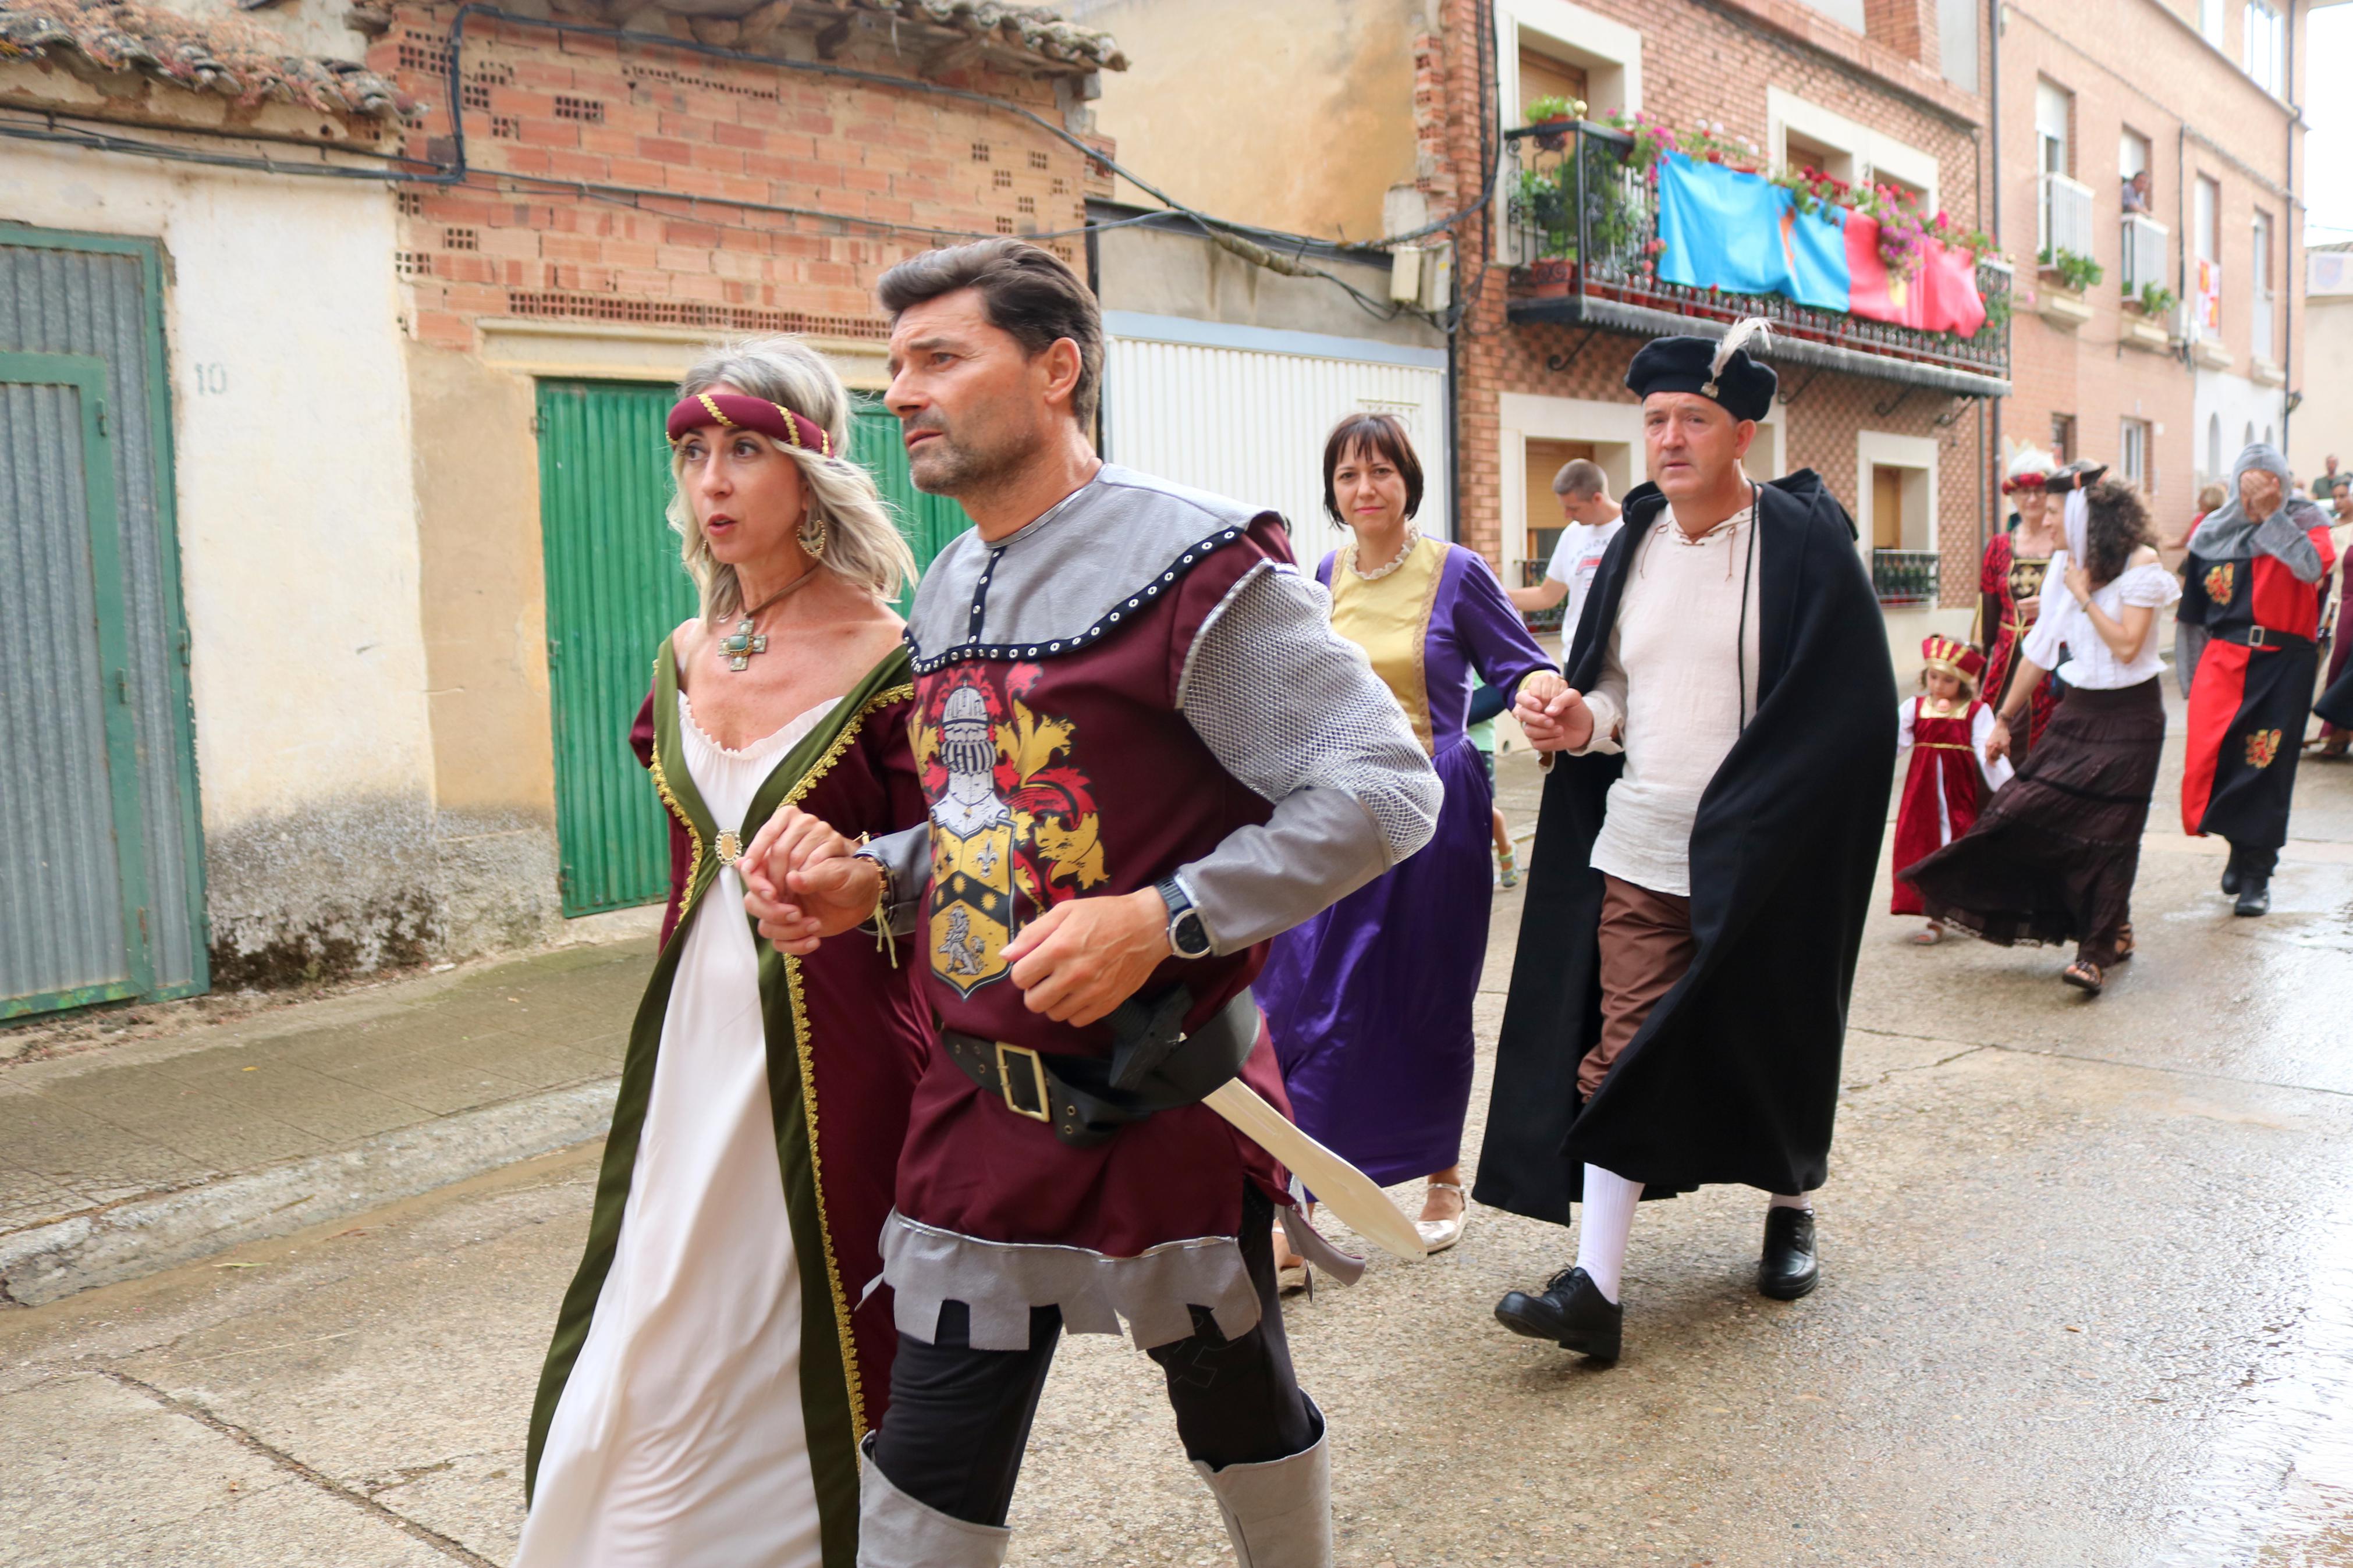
x=1412, y=538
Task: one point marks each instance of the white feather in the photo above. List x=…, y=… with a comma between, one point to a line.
x=1736, y=338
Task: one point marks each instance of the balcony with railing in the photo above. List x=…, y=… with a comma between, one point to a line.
x=1581, y=224
x=2064, y=218
x=1905, y=576
x=2143, y=252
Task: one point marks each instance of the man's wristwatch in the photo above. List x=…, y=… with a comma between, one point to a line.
x=1189, y=935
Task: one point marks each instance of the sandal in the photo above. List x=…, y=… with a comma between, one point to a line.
x=2124, y=944
x=1930, y=937
x=2084, y=975
x=1437, y=1234
x=1510, y=875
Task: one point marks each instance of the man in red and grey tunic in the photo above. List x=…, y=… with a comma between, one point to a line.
x=1146, y=754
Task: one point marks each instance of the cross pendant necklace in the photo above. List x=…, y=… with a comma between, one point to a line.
x=737, y=650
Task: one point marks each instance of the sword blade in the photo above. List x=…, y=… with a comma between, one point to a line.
x=1347, y=1192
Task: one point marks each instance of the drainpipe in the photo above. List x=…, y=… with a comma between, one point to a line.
x=1993, y=89
x=2287, y=274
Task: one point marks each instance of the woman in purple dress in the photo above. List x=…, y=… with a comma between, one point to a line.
x=1369, y=1002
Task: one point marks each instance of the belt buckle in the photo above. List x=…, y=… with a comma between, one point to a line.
x=1045, y=1111
x=2255, y=637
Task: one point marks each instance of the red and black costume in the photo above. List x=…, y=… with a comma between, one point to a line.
x=2255, y=587
x=1950, y=778
x=2004, y=578
x=1136, y=689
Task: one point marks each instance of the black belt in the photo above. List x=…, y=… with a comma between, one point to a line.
x=1154, y=1066
x=2263, y=639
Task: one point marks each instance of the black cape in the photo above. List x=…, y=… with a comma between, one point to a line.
x=1734, y=1075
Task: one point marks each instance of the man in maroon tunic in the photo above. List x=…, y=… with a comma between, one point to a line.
x=1146, y=753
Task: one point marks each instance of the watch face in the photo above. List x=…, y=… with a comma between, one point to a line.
x=1190, y=938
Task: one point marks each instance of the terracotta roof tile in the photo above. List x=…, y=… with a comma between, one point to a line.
x=223, y=55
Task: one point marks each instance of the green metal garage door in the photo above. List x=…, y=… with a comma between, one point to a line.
x=615, y=589
x=102, y=857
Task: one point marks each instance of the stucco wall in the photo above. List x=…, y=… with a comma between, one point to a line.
x=2324, y=422
x=1290, y=114
x=298, y=547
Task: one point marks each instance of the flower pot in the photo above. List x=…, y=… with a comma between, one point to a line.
x=1549, y=277
x=1552, y=135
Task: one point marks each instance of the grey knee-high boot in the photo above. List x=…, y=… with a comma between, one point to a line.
x=1279, y=1514
x=895, y=1530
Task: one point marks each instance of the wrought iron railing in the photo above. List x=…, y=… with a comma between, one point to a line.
x=1532, y=575
x=1905, y=576
x=1581, y=228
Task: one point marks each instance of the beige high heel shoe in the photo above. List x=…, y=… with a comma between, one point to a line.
x=1437, y=1234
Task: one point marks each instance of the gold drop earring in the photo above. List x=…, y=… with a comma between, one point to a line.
x=810, y=535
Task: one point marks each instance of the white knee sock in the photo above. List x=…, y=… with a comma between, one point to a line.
x=1784, y=1201
x=1609, y=1220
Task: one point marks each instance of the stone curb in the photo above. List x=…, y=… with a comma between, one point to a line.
x=140, y=1235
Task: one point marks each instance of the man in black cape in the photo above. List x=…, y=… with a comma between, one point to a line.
x=1678, y=1001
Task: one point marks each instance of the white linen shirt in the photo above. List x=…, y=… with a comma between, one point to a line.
x=2092, y=664
x=1574, y=560
x=1669, y=696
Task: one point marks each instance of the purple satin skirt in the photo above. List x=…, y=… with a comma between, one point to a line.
x=1369, y=1002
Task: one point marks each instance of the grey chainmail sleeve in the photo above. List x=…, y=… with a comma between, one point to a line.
x=1293, y=711
x=906, y=857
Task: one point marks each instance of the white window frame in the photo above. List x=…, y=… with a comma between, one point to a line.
x=2210, y=21
x=1874, y=151
x=1615, y=431
x=1609, y=51
x=1883, y=449
x=2263, y=244
x=2132, y=441
x=2263, y=39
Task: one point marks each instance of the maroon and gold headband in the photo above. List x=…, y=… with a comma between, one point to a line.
x=736, y=411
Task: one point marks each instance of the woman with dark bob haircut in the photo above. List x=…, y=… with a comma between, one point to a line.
x=2053, y=856
x=1369, y=1002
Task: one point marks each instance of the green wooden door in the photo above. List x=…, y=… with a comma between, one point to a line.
x=615, y=588
x=74, y=916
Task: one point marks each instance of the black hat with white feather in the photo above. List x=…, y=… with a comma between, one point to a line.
x=1719, y=369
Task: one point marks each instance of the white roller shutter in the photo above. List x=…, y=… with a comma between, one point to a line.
x=1250, y=421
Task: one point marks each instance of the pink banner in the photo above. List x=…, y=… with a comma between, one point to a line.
x=1942, y=297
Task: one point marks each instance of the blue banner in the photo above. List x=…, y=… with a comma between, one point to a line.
x=1744, y=234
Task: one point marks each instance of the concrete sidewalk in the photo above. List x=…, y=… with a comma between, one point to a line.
x=123, y=1158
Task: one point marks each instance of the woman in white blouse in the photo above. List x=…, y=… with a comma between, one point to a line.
x=2053, y=857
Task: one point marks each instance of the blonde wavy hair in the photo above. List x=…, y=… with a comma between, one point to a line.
x=861, y=542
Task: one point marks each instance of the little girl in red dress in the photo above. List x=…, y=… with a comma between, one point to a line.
x=1945, y=726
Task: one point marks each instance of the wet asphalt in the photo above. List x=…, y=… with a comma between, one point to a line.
x=2087, y=1299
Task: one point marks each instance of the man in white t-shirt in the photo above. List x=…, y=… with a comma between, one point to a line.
x=1593, y=521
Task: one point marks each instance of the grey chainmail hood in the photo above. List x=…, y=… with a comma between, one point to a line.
x=2229, y=535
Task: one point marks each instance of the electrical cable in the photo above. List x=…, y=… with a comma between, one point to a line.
x=459, y=175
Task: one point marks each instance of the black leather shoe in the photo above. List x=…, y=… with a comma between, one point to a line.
x=2230, y=878
x=2254, y=897
x=1788, y=1268
x=1571, y=1311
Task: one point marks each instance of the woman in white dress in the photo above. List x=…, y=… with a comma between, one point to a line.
x=714, y=1369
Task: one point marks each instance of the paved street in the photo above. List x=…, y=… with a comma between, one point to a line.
x=2088, y=1300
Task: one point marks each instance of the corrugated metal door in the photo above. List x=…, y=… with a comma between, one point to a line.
x=73, y=879
x=1250, y=425
x=928, y=522
x=99, y=299
x=615, y=589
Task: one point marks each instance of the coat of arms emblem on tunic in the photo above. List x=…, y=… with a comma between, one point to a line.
x=2219, y=580
x=2263, y=745
x=1008, y=823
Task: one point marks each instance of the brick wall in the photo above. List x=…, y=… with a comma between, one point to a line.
x=1715, y=63
x=696, y=137
x=2200, y=115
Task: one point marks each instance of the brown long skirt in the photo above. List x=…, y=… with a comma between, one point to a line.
x=2053, y=856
